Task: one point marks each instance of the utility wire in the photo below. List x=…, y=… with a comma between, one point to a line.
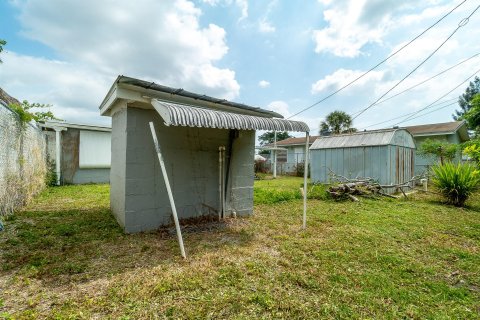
x=462, y=23
x=420, y=83
x=428, y=106
x=434, y=110
x=378, y=64
x=410, y=113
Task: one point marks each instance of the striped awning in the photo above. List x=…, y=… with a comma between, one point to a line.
x=182, y=115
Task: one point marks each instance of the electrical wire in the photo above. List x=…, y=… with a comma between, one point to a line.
x=462, y=23
x=420, y=83
x=411, y=113
x=428, y=106
x=378, y=64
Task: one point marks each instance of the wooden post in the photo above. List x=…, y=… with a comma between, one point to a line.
x=169, y=190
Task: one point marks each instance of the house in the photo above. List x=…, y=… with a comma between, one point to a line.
x=453, y=132
x=385, y=155
x=292, y=152
x=207, y=146
x=80, y=152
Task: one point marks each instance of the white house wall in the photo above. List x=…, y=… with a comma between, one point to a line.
x=95, y=149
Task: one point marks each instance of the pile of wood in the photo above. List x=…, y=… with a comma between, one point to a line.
x=350, y=188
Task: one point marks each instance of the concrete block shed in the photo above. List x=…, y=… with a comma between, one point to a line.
x=208, y=147
x=80, y=152
x=385, y=155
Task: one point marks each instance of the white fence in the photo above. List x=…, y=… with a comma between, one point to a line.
x=22, y=161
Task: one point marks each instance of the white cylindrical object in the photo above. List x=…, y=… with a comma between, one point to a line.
x=274, y=154
x=425, y=184
x=169, y=190
x=58, y=153
x=223, y=180
x=305, y=176
x=220, y=168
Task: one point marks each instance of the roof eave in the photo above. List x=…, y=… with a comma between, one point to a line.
x=148, y=90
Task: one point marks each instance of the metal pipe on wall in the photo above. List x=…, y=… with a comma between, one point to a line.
x=58, y=153
x=221, y=182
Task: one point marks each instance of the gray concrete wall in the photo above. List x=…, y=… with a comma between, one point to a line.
x=191, y=159
x=83, y=176
x=117, y=169
x=241, y=176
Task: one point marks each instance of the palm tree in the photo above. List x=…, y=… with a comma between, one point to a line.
x=337, y=122
x=2, y=44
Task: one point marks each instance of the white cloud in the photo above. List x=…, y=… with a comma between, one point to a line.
x=73, y=92
x=265, y=27
x=263, y=84
x=241, y=4
x=341, y=77
x=352, y=24
x=166, y=45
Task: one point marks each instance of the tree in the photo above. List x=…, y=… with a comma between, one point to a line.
x=442, y=150
x=2, y=44
x=26, y=114
x=464, y=101
x=472, y=116
x=337, y=122
x=269, y=137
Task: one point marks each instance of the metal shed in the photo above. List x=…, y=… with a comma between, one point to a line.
x=387, y=155
x=207, y=147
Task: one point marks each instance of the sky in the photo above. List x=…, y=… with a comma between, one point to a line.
x=278, y=55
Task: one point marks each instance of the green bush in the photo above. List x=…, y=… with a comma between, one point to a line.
x=456, y=181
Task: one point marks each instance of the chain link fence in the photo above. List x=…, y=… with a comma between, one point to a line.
x=23, y=164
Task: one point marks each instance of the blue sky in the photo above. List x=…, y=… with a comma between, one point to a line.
x=279, y=55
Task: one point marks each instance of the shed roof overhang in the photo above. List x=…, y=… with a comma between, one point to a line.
x=181, y=115
x=141, y=92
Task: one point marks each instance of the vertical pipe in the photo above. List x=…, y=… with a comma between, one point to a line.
x=275, y=154
x=223, y=181
x=220, y=187
x=58, y=146
x=169, y=190
x=305, y=175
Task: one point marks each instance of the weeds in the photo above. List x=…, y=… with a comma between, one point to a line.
x=65, y=257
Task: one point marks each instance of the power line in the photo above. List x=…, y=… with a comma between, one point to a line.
x=434, y=110
x=462, y=23
x=380, y=63
x=410, y=113
x=428, y=106
x=420, y=83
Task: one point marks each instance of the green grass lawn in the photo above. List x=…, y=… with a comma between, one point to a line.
x=64, y=257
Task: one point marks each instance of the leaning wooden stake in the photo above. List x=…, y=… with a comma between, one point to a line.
x=169, y=190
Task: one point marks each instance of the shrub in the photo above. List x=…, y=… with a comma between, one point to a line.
x=442, y=150
x=456, y=181
x=300, y=169
x=472, y=150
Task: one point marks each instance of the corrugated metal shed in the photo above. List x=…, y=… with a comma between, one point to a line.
x=366, y=138
x=385, y=155
x=183, y=115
